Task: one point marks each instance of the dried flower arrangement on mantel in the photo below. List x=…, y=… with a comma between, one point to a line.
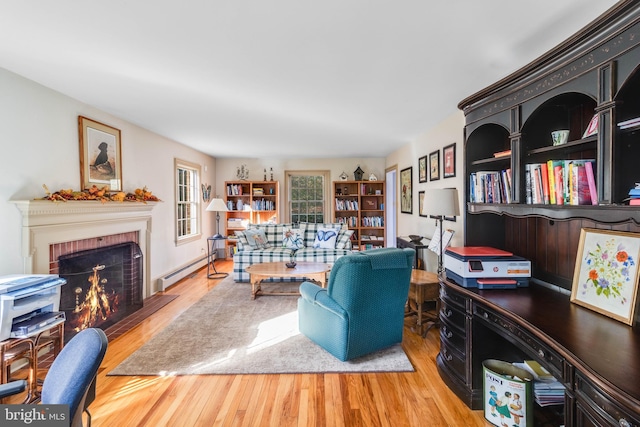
x=102, y=194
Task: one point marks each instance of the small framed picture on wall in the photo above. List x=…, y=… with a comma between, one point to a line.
x=422, y=169
x=449, y=160
x=406, y=190
x=434, y=166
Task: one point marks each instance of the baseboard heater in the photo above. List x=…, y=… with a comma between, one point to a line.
x=180, y=273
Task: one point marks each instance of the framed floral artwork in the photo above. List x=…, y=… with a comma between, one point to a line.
x=449, y=161
x=422, y=169
x=434, y=166
x=406, y=190
x=100, y=156
x=605, y=279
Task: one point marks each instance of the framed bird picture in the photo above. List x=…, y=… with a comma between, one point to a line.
x=100, y=155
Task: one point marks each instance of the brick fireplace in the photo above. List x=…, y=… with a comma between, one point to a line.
x=51, y=229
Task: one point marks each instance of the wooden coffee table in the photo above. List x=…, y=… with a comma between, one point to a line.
x=316, y=271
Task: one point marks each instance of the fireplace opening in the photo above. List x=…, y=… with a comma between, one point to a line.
x=104, y=285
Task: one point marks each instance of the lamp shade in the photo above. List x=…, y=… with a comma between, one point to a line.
x=217, y=205
x=441, y=202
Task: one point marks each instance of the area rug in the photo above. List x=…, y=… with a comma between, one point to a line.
x=227, y=332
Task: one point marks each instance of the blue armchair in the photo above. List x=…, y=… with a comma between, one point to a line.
x=362, y=308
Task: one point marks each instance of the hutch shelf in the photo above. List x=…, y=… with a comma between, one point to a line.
x=590, y=86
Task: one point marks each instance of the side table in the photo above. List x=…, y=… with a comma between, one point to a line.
x=424, y=287
x=212, y=243
x=27, y=348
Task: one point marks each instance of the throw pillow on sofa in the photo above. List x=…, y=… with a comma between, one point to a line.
x=344, y=237
x=326, y=238
x=292, y=238
x=257, y=239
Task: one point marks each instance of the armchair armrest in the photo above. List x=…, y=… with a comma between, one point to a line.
x=316, y=295
x=11, y=388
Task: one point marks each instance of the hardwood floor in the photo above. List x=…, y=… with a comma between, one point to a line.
x=382, y=399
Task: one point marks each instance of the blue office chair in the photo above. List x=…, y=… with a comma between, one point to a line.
x=71, y=377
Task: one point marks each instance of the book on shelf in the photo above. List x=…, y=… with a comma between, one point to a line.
x=504, y=153
x=490, y=187
x=592, y=183
x=627, y=124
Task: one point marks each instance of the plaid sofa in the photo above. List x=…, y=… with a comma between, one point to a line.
x=246, y=256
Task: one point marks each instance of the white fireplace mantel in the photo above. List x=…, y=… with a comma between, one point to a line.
x=46, y=222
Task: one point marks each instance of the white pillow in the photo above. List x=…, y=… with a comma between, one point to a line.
x=292, y=238
x=257, y=239
x=326, y=238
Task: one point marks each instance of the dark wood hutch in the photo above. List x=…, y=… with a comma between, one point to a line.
x=595, y=72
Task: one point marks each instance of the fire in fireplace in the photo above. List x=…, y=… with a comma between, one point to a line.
x=104, y=285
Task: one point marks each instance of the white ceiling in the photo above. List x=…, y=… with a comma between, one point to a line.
x=281, y=78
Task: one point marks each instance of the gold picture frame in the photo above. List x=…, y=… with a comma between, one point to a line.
x=100, y=155
x=605, y=278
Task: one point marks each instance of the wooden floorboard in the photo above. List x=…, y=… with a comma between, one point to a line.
x=373, y=399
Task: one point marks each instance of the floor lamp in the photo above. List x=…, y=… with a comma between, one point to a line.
x=217, y=206
x=441, y=202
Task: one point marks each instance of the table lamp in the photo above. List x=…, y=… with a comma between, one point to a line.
x=441, y=202
x=217, y=206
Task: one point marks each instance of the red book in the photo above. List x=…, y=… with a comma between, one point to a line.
x=634, y=202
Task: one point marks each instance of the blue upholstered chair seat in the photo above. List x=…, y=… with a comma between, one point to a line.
x=362, y=308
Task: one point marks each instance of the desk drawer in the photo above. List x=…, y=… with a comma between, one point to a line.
x=454, y=337
x=549, y=358
x=454, y=360
x=452, y=316
x=598, y=406
x=453, y=297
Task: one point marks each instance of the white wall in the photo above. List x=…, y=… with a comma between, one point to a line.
x=39, y=140
x=449, y=131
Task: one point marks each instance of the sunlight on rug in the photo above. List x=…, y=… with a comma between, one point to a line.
x=227, y=332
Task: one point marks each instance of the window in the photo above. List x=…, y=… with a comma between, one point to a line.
x=306, y=191
x=187, y=201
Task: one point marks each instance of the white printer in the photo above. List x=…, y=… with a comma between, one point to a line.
x=484, y=267
x=29, y=304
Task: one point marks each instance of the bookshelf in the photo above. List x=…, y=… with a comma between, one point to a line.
x=250, y=202
x=360, y=205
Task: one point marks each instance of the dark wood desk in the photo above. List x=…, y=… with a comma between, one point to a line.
x=597, y=358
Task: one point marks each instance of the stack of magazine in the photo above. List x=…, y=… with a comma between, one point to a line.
x=547, y=390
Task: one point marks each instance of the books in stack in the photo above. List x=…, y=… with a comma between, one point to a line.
x=634, y=195
x=547, y=390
